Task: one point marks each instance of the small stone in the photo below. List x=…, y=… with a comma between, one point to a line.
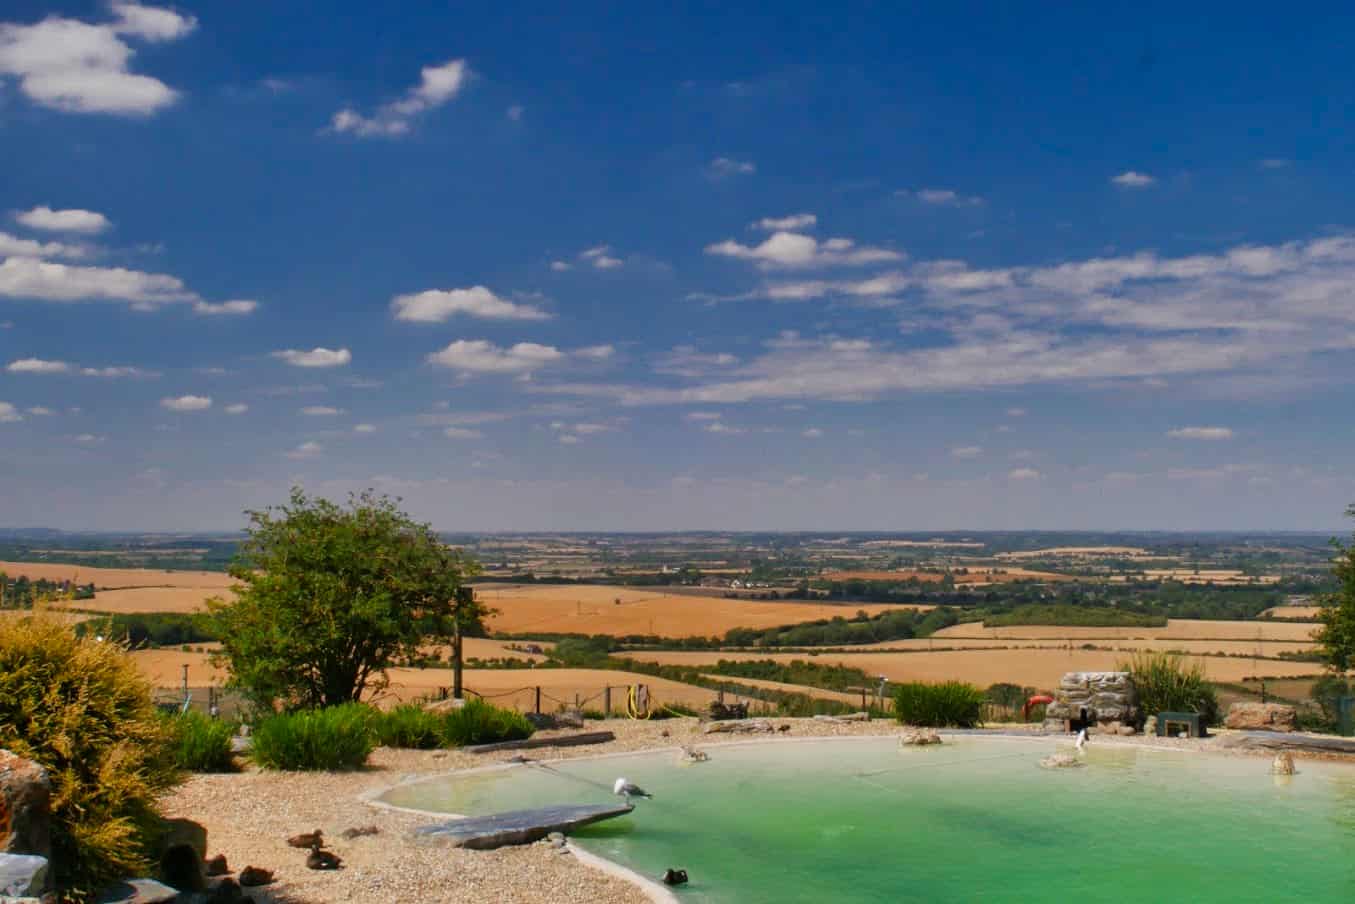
x=217, y=866
x=359, y=831
x=1061, y=761
x=253, y=875
x=25, y=807
x=570, y=718
x=22, y=875
x=920, y=737
x=556, y=839
x=1283, y=764
x=1127, y=730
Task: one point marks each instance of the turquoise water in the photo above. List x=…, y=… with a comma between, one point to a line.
x=974, y=819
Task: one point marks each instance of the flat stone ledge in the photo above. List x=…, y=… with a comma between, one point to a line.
x=483, y=833
x=1266, y=740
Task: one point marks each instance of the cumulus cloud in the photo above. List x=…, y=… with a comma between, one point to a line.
x=1205, y=433
x=236, y=308
x=321, y=411
x=812, y=433
x=113, y=373
x=437, y=86
x=82, y=67
x=792, y=223
x=462, y=433
x=1023, y=474
x=966, y=452
x=722, y=427
x=30, y=278
x=688, y=361
x=37, y=366
x=596, y=352
x=310, y=449
x=725, y=167
x=943, y=197
x=41, y=411
x=1016, y=412
x=236, y=408
x=13, y=246
x=793, y=250
x=187, y=403
x=1133, y=179
x=9, y=414
x=561, y=266
x=600, y=258
x=84, y=222
x=479, y=356
x=364, y=428
x=316, y=357
x=438, y=305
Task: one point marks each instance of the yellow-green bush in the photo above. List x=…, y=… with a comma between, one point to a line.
x=80, y=708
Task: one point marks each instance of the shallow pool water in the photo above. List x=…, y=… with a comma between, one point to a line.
x=976, y=819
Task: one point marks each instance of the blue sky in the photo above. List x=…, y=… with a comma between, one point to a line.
x=792, y=266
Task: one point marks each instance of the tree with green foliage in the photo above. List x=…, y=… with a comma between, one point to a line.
x=1336, y=638
x=330, y=597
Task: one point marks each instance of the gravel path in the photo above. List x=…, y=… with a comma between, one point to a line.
x=249, y=815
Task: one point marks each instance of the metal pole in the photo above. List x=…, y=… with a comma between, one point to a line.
x=538, y=700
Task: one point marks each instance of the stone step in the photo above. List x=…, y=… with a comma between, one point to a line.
x=483, y=833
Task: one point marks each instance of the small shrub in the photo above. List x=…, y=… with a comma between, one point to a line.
x=201, y=743
x=948, y=704
x=673, y=711
x=1167, y=682
x=482, y=723
x=595, y=715
x=80, y=708
x=408, y=725
x=335, y=738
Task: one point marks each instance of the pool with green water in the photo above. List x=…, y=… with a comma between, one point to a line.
x=975, y=819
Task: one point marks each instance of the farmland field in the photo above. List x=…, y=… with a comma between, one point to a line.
x=1177, y=628
x=117, y=577
x=594, y=609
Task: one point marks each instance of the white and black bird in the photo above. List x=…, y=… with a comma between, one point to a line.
x=627, y=789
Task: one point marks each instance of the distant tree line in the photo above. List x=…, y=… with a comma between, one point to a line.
x=22, y=593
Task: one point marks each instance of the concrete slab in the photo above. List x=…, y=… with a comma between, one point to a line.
x=483, y=833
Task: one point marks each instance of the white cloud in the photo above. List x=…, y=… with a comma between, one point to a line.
x=236, y=408
x=601, y=258
x=1023, y=474
x=23, y=277
x=793, y=250
x=37, y=366
x=114, y=373
x=812, y=433
x=13, y=246
x=702, y=415
x=943, y=197
x=462, y=433
x=88, y=439
x=1273, y=163
x=966, y=451
x=1133, y=179
x=437, y=86
x=187, y=403
x=321, y=411
x=41, y=411
x=480, y=356
x=236, y=308
x=568, y=439
x=364, y=428
x=316, y=357
x=724, y=167
x=721, y=427
x=80, y=67
x=85, y=222
x=1206, y=433
x=437, y=305
x=789, y=223
x=561, y=266
x=1016, y=412
x=9, y=414
x=310, y=449
x=688, y=361
x=596, y=352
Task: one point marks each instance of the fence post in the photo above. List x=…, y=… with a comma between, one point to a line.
x=538, y=700
x=607, y=700
x=576, y=700
x=863, y=698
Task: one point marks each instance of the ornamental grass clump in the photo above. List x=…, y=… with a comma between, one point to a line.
x=408, y=725
x=80, y=708
x=331, y=739
x=1167, y=682
x=201, y=743
x=949, y=704
x=482, y=723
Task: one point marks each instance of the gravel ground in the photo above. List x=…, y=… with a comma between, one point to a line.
x=249, y=815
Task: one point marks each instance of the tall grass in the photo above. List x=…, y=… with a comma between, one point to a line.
x=482, y=723
x=1167, y=682
x=947, y=704
x=81, y=709
x=336, y=738
x=201, y=743
x=408, y=725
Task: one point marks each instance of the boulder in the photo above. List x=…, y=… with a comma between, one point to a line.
x=1061, y=761
x=920, y=737
x=25, y=807
x=569, y=718
x=22, y=875
x=1283, y=764
x=739, y=726
x=1260, y=717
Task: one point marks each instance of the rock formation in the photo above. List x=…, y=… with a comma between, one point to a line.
x=1094, y=697
x=1260, y=717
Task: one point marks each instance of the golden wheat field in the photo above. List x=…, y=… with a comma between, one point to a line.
x=117, y=577
x=1176, y=629
x=153, y=599
x=1036, y=668
x=618, y=611
x=1293, y=611
x=1237, y=647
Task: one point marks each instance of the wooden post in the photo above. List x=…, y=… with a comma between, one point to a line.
x=465, y=599
x=538, y=700
x=607, y=700
x=576, y=700
x=863, y=698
